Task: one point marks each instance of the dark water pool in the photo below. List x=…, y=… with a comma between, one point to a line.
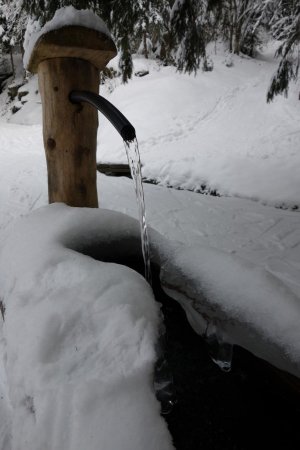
x=248, y=408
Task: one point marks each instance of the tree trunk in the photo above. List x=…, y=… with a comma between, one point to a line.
x=12, y=62
x=69, y=130
x=237, y=40
x=231, y=39
x=145, y=44
x=231, y=26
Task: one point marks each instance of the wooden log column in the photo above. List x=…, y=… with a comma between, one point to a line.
x=69, y=59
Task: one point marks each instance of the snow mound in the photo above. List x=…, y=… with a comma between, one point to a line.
x=63, y=17
x=248, y=305
x=80, y=337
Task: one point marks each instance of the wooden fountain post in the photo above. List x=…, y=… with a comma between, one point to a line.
x=67, y=59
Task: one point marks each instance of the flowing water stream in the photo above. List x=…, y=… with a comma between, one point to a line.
x=220, y=351
x=134, y=161
x=163, y=379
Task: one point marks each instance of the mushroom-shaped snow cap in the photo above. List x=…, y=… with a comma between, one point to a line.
x=73, y=41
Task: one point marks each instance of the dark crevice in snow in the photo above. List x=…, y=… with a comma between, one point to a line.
x=122, y=170
x=28, y=403
x=204, y=188
x=120, y=251
x=288, y=207
x=207, y=190
x=250, y=407
x=2, y=309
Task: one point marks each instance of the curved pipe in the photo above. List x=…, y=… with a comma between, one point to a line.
x=116, y=118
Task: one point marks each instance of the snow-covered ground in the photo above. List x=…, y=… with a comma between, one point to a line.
x=214, y=131
x=241, y=255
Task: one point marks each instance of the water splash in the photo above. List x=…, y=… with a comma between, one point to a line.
x=134, y=161
x=219, y=349
x=164, y=387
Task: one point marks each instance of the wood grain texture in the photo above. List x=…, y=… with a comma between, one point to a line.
x=73, y=42
x=69, y=131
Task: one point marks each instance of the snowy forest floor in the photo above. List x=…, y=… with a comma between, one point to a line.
x=212, y=132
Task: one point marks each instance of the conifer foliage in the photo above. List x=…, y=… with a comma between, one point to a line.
x=188, y=26
x=176, y=31
x=13, y=20
x=286, y=28
x=44, y=10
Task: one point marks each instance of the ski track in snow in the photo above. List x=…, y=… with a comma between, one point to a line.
x=219, y=134
x=190, y=123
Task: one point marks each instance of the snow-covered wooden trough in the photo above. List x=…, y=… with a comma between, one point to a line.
x=81, y=329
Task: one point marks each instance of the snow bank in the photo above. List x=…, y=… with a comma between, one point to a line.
x=80, y=337
x=250, y=306
x=63, y=17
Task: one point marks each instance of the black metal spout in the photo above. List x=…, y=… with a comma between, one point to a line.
x=116, y=118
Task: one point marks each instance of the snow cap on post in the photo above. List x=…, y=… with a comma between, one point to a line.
x=70, y=34
x=73, y=42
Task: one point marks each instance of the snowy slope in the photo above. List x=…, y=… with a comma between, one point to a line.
x=214, y=131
